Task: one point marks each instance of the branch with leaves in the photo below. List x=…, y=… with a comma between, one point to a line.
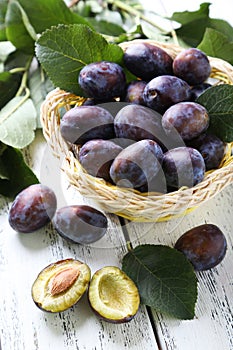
x=23, y=81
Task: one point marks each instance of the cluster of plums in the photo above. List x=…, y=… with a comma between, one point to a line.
x=155, y=138
x=36, y=206
x=152, y=135
x=112, y=295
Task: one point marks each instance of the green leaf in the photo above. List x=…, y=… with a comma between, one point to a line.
x=64, y=50
x=165, y=279
x=17, y=59
x=6, y=48
x=218, y=100
x=3, y=171
x=12, y=162
x=9, y=84
x=194, y=25
x=153, y=33
x=87, y=8
x=3, y=9
x=18, y=122
x=43, y=14
x=216, y=44
x=106, y=27
x=192, y=32
x=39, y=85
x=221, y=26
x=18, y=28
x=186, y=17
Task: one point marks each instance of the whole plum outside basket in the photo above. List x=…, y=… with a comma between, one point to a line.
x=129, y=203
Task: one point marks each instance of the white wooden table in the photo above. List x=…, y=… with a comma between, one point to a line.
x=24, y=327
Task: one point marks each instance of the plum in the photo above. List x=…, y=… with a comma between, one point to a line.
x=113, y=296
x=204, y=246
x=32, y=208
x=81, y=224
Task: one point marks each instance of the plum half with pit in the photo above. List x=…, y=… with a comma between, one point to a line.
x=60, y=285
x=32, y=208
x=113, y=296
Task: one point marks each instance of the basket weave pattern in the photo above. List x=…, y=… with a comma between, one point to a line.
x=130, y=203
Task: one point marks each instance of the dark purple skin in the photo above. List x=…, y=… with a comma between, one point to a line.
x=135, y=122
x=156, y=184
x=204, y=246
x=211, y=148
x=84, y=123
x=183, y=166
x=32, y=208
x=96, y=157
x=164, y=91
x=147, y=61
x=92, y=102
x=189, y=119
x=137, y=164
x=102, y=80
x=134, y=92
x=197, y=90
x=80, y=223
x=192, y=65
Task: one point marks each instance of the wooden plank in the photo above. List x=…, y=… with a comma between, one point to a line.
x=22, y=325
x=212, y=328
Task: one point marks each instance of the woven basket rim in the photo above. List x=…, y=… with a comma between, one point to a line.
x=128, y=203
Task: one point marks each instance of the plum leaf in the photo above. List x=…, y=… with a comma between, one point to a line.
x=62, y=54
x=217, y=44
x=18, y=122
x=11, y=163
x=165, y=279
x=218, y=100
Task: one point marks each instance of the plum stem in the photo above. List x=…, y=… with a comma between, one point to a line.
x=129, y=246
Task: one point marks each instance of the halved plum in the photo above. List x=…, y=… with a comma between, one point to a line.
x=113, y=296
x=60, y=285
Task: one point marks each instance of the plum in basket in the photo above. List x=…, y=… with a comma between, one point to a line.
x=183, y=166
x=192, y=65
x=84, y=123
x=147, y=61
x=137, y=164
x=102, y=80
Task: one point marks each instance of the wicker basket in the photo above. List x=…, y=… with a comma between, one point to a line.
x=129, y=203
